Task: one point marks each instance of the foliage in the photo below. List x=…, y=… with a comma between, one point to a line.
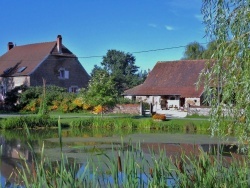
x=121, y=67
x=123, y=100
x=43, y=109
x=98, y=109
x=67, y=104
x=227, y=22
x=101, y=90
x=194, y=50
x=210, y=49
x=34, y=93
x=55, y=98
x=32, y=106
x=12, y=97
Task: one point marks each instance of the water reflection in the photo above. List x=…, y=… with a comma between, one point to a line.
x=104, y=180
x=13, y=155
x=79, y=143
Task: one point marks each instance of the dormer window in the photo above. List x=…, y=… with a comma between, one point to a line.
x=21, y=69
x=8, y=70
x=63, y=74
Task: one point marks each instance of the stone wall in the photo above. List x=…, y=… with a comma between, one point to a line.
x=202, y=111
x=126, y=109
x=49, y=70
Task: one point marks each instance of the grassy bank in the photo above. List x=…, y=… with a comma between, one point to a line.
x=142, y=123
x=117, y=121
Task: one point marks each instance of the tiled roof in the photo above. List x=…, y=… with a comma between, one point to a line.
x=29, y=56
x=172, y=78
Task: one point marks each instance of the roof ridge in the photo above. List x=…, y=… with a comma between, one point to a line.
x=36, y=43
x=184, y=60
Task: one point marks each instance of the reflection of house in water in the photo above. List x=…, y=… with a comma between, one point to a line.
x=12, y=156
x=14, y=149
x=228, y=151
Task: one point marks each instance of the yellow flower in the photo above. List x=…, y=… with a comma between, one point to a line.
x=98, y=109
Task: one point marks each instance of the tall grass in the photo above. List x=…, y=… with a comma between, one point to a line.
x=131, y=165
x=129, y=123
x=30, y=121
x=121, y=123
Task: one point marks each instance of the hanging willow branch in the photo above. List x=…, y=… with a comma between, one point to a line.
x=227, y=81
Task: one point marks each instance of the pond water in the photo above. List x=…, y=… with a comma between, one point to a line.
x=80, y=144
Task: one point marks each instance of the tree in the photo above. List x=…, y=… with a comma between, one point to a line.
x=13, y=96
x=210, y=49
x=228, y=23
x=101, y=90
x=121, y=67
x=95, y=70
x=194, y=50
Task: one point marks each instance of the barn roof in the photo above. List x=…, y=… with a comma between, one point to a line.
x=172, y=78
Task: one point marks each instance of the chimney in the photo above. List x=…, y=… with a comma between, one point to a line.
x=10, y=45
x=59, y=44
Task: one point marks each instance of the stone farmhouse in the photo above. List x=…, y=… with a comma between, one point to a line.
x=171, y=85
x=32, y=63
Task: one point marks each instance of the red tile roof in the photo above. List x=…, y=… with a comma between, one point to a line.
x=29, y=56
x=172, y=78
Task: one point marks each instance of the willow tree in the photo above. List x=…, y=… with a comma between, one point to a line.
x=228, y=78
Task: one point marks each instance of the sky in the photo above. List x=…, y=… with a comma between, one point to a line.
x=151, y=30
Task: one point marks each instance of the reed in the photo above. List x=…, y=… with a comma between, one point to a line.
x=130, y=166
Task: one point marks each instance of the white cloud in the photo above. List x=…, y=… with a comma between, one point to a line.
x=169, y=28
x=152, y=25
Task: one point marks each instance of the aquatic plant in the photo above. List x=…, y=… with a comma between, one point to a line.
x=136, y=166
x=133, y=165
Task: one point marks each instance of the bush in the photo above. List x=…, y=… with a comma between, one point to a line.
x=123, y=100
x=32, y=94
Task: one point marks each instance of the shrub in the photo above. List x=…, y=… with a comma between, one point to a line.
x=30, y=99
x=122, y=100
x=98, y=109
x=32, y=106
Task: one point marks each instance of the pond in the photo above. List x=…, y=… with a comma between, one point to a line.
x=82, y=144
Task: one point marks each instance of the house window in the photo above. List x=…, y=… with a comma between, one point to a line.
x=73, y=89
x=63, y=74
x=172, y=98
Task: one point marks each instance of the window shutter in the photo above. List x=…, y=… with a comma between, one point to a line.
x=66, y=76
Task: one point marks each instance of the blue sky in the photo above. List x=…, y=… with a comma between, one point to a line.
x=92, y=27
